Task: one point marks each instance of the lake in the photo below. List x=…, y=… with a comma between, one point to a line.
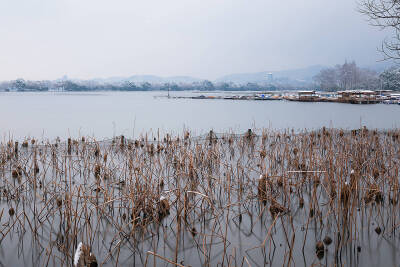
x=106, y=114
x=108, y=194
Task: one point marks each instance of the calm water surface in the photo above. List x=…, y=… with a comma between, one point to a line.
x=104, y=114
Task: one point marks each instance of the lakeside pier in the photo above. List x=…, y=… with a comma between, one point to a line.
x=348, y=96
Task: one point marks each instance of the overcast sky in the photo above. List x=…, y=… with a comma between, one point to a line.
x=46, y=39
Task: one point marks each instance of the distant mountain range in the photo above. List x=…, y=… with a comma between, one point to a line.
x=149, y=78
x=292, y=76
x=303, y=74
x=299, y=75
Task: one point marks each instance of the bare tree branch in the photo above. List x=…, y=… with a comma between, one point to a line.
x=384, y=14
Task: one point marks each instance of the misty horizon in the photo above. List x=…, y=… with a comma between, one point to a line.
x=283, y=73
x=45, y=40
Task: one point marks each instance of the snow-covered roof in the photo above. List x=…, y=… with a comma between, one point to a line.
x=357, y=92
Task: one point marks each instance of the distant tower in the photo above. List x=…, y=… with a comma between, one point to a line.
x=270, y=77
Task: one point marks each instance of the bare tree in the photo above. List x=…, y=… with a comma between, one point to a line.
x=347, y=76
x=327, y=79
x=384, y=14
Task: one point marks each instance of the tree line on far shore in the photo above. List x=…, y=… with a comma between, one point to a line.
x=21, y=85
x=349, y=76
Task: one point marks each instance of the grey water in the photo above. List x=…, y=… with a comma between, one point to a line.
x=106, y=114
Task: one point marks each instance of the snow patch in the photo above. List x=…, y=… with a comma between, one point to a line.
x=78, y=254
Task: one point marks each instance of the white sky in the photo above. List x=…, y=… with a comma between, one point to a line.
x=46, y=39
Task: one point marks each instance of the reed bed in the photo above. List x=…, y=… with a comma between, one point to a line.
x=328, y=197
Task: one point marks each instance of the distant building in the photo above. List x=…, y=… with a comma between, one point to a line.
x=270, y=77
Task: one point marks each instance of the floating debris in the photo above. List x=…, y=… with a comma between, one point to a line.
x=327, y=240
x=378, y=230
x=320, y=249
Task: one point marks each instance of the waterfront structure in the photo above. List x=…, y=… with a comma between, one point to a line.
x=358, y=97
x=307, y=96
